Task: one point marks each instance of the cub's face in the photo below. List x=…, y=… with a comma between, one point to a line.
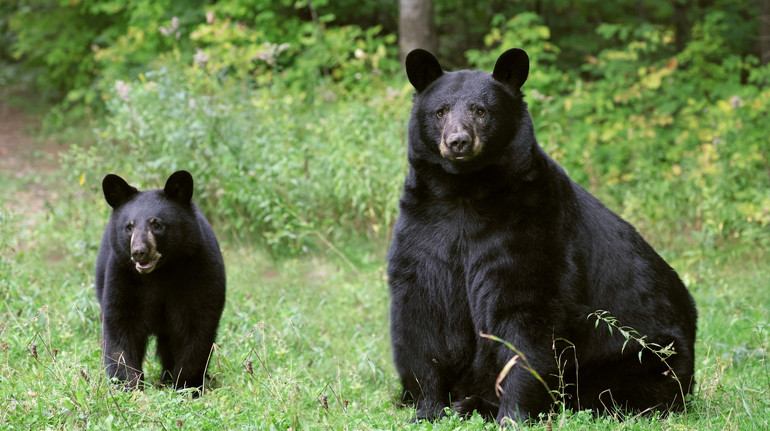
x=143, y=229
x=151, y=227
x=464, y=120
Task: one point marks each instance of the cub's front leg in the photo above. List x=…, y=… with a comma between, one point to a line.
x=124, y=350
x=124, y=329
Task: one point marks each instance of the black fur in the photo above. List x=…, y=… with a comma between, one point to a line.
x=168, y=282
x=493, y=237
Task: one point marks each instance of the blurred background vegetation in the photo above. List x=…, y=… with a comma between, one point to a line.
x=291, y=114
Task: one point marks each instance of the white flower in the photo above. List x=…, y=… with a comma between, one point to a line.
x=200, y=58
x=123, y=89
x=167, y=31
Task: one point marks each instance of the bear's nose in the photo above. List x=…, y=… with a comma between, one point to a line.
x=459, y=143
x=139, y=253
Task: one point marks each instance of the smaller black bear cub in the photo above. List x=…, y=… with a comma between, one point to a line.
x=159, y=272
x=493, y=237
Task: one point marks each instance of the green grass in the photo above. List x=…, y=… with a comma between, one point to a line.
x=304, y=341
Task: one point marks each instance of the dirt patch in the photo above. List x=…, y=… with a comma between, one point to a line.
x=26, y=162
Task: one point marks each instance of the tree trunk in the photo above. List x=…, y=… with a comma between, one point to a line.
x=416, y=28
x=681, y=25
x=764, y=31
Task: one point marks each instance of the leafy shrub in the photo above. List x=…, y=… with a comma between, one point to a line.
x=525, y=30
x=267, y=167
x=77, y=50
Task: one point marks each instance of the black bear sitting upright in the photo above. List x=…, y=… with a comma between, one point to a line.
x=159, y=271
x=493, y=237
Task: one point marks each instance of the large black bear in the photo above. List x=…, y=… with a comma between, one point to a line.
x=493, y=237
x=159, y=271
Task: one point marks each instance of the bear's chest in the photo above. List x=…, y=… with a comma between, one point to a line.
x=460, y=229
x=469, y=244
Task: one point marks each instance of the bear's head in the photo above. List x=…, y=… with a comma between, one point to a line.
x=466, y=120
x=151, y=227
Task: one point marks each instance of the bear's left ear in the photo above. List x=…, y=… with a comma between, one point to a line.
x=422, y=69
x=179, y=187
x=512, y=68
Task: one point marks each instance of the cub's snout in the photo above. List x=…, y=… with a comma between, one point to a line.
x=144, y=247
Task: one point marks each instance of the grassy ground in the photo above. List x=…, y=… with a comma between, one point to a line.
x=303, y=343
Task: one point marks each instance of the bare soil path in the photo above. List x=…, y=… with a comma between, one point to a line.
x=26, y=162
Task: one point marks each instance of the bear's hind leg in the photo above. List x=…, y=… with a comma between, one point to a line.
x=633, y=387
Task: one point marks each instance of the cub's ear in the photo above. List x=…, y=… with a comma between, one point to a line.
x=116, y=190
x=179, y=187
x=512, y=68
x=422, y=69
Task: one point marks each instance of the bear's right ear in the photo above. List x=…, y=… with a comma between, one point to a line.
x=179, y=187
x=422, y=69
x=512, y=68
x=116, y=190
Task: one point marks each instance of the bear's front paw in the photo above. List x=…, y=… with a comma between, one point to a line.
x=466, y=407
x=430, y=411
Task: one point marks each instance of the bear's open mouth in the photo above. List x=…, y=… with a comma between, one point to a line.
x=146, y=267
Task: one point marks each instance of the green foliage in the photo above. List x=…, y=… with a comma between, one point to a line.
x=711, y=68
x=306, y=57
x=144, y=30
x=78, y=49
x=629, y=333
x=55, y=40
x=7, y=39
x=525, y=30
x=268, y=167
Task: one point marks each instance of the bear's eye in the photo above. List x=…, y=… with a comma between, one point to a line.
x=130, y=227
x=155, y=224
x=441, y=112
x=480, y=112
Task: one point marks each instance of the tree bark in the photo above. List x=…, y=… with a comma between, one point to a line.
x=681, y=25
x=416, y=28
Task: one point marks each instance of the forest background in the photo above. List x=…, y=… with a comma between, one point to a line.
x=292, y=116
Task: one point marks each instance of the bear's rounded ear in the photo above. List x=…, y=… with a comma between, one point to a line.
x=512, y=68
x=179, y=187
x=116, y=190
x=422, y=69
